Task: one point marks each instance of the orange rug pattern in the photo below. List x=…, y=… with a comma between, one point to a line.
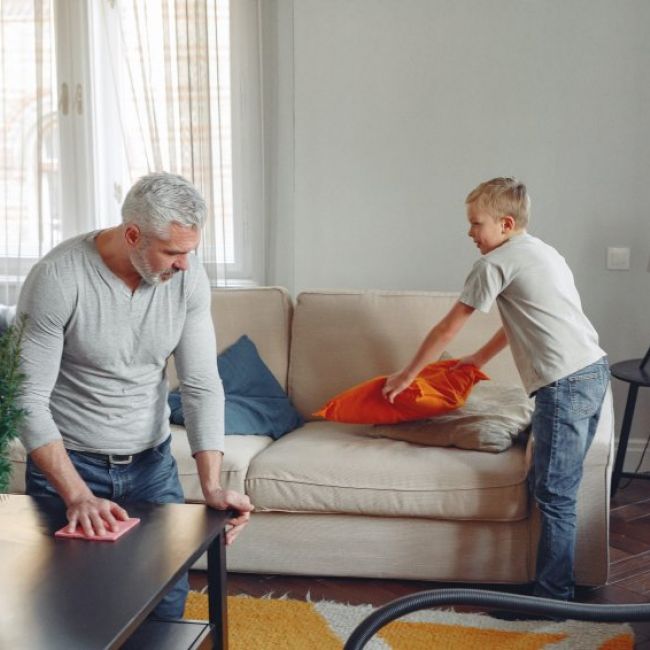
x=285, y=624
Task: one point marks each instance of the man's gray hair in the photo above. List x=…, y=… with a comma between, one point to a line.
x=158, y=200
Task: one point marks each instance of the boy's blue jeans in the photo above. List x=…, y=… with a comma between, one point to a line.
x=564, y=423
x=151, y=477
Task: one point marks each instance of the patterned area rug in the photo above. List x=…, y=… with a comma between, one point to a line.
x=285, y=624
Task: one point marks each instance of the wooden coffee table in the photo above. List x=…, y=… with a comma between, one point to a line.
x=69, y=593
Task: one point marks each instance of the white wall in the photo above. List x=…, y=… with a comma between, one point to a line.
x=383, y=114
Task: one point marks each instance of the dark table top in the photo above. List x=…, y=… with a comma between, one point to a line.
x=71, y=593
x=631, y=372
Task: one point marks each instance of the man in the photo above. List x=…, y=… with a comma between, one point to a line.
x=104, y=312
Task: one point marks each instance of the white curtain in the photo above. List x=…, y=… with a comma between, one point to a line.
x=170, y=75
x=145, y=87
x=30, y=188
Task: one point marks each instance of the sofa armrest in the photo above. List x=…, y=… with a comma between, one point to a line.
x=601, y=452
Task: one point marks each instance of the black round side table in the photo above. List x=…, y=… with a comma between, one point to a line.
x=635, y=373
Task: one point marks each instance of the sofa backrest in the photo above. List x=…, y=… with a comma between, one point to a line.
x=341, y=338
x=263, y=314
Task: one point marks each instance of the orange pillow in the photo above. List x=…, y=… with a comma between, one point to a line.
x=439, y=388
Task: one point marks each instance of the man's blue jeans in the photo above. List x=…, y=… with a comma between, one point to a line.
x=151, y=477
x=564, y=423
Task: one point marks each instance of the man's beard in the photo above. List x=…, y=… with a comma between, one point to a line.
x=143, y=267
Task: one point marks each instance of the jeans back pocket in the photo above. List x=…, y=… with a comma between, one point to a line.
x=587, y=390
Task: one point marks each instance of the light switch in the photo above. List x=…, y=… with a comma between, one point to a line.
x=618, y=258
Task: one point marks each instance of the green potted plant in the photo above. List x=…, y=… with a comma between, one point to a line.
x=11, y=380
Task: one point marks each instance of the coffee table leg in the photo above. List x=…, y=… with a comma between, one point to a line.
x=218, y=592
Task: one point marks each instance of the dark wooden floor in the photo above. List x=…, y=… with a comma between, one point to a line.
x=629, y=580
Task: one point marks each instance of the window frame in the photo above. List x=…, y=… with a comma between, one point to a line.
x=247, y=143
x=89, y=198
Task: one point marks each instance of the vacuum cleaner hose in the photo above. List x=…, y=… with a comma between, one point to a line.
x=491, y=599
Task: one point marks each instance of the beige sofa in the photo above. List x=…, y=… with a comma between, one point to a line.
x=333, y=501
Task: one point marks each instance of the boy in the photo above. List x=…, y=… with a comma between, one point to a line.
x=556, y=352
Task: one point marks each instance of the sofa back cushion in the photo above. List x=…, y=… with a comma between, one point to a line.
x=263, y=314
x=342, y=338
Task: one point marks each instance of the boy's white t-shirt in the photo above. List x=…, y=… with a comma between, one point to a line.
x=549, y=335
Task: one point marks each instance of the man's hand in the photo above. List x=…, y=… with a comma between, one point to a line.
x=208, y=464
x=395, y=384
x=84, y=509
x=94, y=515
x=229, y=499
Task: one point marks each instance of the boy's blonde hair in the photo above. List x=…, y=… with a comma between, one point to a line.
x=502, y=196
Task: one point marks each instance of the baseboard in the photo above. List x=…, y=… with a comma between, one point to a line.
x=633, y=455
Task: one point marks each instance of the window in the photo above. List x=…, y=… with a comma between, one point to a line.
x=95, y=95
x=29, y=149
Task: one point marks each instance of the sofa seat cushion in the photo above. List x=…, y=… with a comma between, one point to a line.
x=331, y=467
x=239, y=452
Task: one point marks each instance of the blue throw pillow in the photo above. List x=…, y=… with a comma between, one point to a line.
x=255, y=401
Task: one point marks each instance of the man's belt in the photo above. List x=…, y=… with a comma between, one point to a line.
x=116, y=459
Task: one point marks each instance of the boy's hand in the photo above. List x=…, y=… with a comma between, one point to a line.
x=469, y=360
x=395, y=384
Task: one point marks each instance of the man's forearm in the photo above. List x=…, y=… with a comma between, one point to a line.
x=53, y=460
x=208, y=464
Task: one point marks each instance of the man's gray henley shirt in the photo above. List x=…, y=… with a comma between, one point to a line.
x=94, y=355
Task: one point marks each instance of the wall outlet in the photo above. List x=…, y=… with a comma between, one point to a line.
x=618, y=258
